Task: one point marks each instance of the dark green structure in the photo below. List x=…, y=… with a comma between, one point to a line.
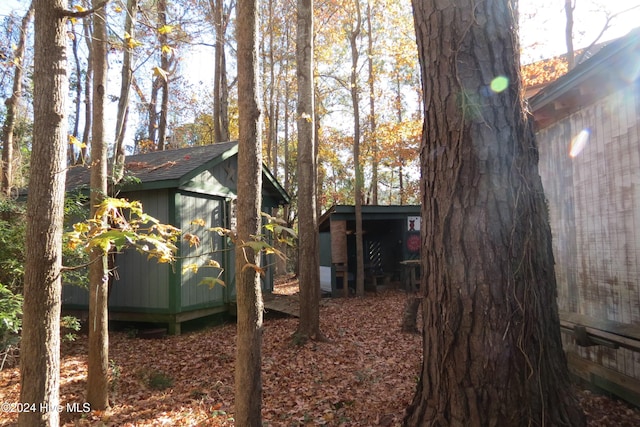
x=177, y=187
x=391, y=235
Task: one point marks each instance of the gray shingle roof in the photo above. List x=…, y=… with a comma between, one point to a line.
x=155, y=166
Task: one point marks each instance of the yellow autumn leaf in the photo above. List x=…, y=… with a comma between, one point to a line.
x=130, y=41
x=157, y=71
x=79, y=8
x=198, y=221
x=213, y=263
x=192, y=239
x=190, y=267
x=165, y=29
x=117, y=9
x=76, y=142
x=166, y=49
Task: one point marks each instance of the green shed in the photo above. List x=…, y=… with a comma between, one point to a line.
x=391, y=239
x=176, y=187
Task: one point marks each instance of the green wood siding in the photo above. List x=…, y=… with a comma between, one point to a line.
x=219, y=180
x=211, y=210
x=143, y=283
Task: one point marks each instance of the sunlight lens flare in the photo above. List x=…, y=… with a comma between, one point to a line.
x=499, y=84
x=579, y=142
x=630, y=70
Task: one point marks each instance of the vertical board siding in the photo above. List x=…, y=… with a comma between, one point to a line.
x=139, y=283
x=143, y=284
x=211, y=247
x=594, y=208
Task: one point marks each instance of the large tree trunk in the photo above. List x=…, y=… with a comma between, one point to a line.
x=355, y=99
x=308, y=246
x=98, y=359
x=569, y=6
x=492, y=349
x=248, y=380
x=12, y=105
x=40, y=345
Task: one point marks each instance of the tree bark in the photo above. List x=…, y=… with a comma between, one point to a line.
x=355, y=99
x=40, y=345
x=98, y=358
x=72, y=158
x=491, y=339
x=308, y=245
x=88, y=114
x=372, y=110
x=248, y=381
x=163, y=83
x=12, y=105
x=569, y=6
x=220, y=90
x=126, y=76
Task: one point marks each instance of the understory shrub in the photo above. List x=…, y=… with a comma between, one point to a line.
x=10, y=322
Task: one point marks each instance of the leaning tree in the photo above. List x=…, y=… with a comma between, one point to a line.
x=492, y=348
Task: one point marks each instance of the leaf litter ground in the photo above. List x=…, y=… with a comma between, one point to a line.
x=364, y=376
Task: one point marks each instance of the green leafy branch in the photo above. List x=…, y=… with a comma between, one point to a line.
x=126, y=226
x=275, y=228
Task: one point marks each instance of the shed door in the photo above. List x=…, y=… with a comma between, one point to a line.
x=198, y=287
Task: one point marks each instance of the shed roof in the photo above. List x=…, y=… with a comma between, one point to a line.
x=173, y=168
x=369, y=212
x=615, y=66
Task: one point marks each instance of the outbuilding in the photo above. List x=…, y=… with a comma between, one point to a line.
x=588, y=134
x=391, y=241
x=177, y=187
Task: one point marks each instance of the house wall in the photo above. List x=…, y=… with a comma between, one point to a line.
x=594, y=207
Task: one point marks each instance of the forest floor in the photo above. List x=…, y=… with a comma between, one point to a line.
x=365, y=375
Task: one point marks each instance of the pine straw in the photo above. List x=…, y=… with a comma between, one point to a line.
x=365, y=375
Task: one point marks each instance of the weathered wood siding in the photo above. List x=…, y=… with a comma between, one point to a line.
x=594, y=206
x=194, y=294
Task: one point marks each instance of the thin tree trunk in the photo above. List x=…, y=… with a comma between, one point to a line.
x=355, y=96
x=152, y=112
x=569, y=6
x=163, y=82
x=88, y=114
x=98, y=359
x=308, y=246
x=72, y=157
x=492, y=351
x=12, y=104
x=248, y=379
x=372, y=111
x=220, y=90
x=40, y=345
x=126, y=75
x=270, y=97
